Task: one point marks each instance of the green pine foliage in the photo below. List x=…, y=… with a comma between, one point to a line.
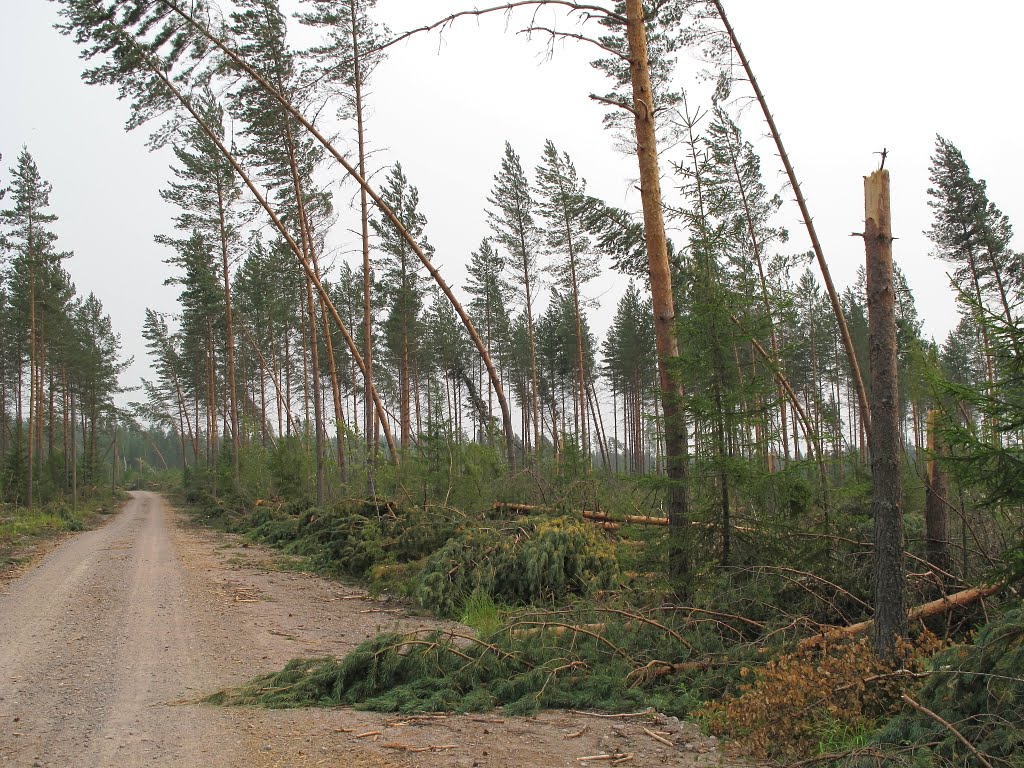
x=535, y=562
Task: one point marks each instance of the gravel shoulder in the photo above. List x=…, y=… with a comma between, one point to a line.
x=110, y=640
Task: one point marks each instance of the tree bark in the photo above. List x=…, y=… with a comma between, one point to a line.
x=370, y=423
x=230, y=341
x=676, y=437
x=885, y=443
x=936, y=516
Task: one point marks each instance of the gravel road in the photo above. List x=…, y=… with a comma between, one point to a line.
x=110, y=641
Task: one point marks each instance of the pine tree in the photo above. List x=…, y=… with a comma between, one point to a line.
x=33, y=274
x=353, y=40
x=631, y=366
x=512, y=220
x=563, y=204
x=207, y=191
x=487, y=286
x=973, y=235
x=403, y=285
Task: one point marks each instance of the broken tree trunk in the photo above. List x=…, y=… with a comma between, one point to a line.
x=925, y=611
x=884, y=437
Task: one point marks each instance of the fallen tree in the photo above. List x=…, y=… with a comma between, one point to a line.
x=927, y=610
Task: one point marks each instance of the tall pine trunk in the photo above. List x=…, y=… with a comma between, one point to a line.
x=676, y=437
x=890, y=587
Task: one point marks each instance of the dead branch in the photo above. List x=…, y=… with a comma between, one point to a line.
x=614, y=103
x=587, y=11
x=657, y=668
x=644, y=620
x=554, y=34
x=645, y=713
x=617, y=757
x=949, y=727
x=657, y=737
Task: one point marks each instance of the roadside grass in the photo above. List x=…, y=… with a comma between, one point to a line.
x=22, y=528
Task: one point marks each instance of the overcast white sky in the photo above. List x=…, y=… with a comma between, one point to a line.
x=843, y=80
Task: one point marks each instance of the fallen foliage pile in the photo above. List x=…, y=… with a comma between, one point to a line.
x=609, y=659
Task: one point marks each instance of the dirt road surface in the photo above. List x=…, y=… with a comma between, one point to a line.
x=110, y=641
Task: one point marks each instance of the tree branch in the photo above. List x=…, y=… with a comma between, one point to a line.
x=587, y=11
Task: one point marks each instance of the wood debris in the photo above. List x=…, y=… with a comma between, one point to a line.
x=614, y=758
x=658, y=737
x=430, y=748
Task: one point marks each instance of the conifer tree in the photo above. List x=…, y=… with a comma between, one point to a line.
x=403, y=285
x=207, y=192
x=33, y=274
x=511, y=217
x=487, y=287
x=973, y=235
x=346, y=59
x=563, y=204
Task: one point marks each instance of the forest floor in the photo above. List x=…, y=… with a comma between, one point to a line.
x=109, y=641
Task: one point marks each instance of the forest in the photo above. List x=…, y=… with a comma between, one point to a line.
x=758, y=501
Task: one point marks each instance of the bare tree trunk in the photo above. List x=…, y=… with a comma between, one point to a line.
x=676, y=438
x=339, y=412
x=230, y=341
x=32, y=415
x=369, y=422
x=74, y=457
x=318, y=416
x=936, y=516
x=890, y=587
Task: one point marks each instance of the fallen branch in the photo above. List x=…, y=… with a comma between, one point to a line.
x=949, y=727
x=652, y=670
x=934, y=608
x=646, y=713
x=658, y=737
x=616, y=757
x=557, y=629
x=431, y=748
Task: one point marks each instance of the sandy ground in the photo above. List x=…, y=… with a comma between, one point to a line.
x=108, y=642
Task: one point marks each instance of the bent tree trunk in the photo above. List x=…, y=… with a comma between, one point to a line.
x=676, y=438
x=385, y=209
x=819, y=254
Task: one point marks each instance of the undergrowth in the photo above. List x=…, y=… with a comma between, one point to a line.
x=57, y=516
x=815, y=698
x=976, y=687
